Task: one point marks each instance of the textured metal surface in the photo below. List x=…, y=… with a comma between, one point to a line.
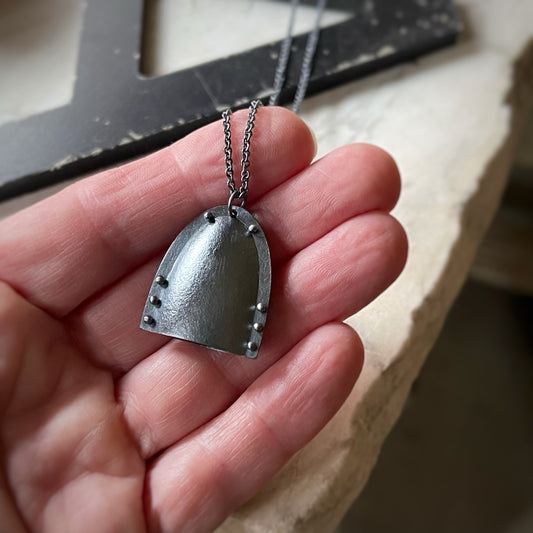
x=213, y=285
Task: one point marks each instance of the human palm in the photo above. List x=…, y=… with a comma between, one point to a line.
x=108, y=428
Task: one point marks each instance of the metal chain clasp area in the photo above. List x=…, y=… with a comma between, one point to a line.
x=235, y=195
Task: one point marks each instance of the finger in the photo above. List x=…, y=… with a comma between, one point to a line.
x=349, y=181
x=227, y=461
x=63, y=434
x=64, y=249
x=164, y=396
x=11, y=519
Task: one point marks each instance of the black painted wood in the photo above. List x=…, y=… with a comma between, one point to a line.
x=117, y=113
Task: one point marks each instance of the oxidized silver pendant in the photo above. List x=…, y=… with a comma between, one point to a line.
x=213, y=285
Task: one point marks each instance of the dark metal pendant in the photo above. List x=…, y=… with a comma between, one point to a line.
x=213, y=285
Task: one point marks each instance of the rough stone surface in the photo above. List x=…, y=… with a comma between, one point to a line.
x=450, y=120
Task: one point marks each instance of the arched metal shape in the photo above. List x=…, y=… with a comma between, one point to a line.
x=213, y=285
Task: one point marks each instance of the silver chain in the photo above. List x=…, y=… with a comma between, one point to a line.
x=283, y=60
x=242, y=191
x=309, y=55
x=279, y=79
x=307, y=62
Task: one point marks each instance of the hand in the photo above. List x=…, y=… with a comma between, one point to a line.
x=108, y=428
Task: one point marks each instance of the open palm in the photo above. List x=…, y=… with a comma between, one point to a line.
x=108, y=428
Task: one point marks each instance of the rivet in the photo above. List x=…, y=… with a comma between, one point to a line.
x=160, y=280
x=258, y=326
x=252, y=228
x=209, y=217
x=147, y=319
x=252, y=346
x=261, y=307
x=155, y=301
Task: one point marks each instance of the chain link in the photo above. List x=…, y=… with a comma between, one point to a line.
x=228, y=153
x=283, y=59
x=309, y=55
x=242, y=191
x=279, y=78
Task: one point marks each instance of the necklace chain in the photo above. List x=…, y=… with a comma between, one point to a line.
x=307, y=61
x=283, y=58
x=279, y=79
x=242, y=191
x=309, y=55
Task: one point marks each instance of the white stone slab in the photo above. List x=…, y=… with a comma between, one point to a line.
x=450, y=120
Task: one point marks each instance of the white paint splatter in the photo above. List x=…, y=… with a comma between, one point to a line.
x=135, y=136
x=63, y=162
x=385, y=51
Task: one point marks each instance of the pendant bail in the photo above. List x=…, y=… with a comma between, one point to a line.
x=236, y=195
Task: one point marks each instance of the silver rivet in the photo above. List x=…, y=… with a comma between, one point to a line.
x=261, y=307
x=252, y=228
x=160, y=280
x=147, y=319
x=258, y=326
x=209, y=216
x=252, y=346
x=154, y=300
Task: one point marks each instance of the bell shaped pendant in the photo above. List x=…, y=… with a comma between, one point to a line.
x=213, y=285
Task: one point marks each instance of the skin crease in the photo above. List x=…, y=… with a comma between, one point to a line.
x=108, y=428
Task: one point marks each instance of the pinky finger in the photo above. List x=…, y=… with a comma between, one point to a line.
x=198, y=481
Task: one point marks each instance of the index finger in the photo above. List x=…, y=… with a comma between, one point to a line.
x=61, y=251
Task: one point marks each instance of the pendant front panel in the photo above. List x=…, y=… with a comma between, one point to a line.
x=213, y=285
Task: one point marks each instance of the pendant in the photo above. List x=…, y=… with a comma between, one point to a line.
x=213, y=285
